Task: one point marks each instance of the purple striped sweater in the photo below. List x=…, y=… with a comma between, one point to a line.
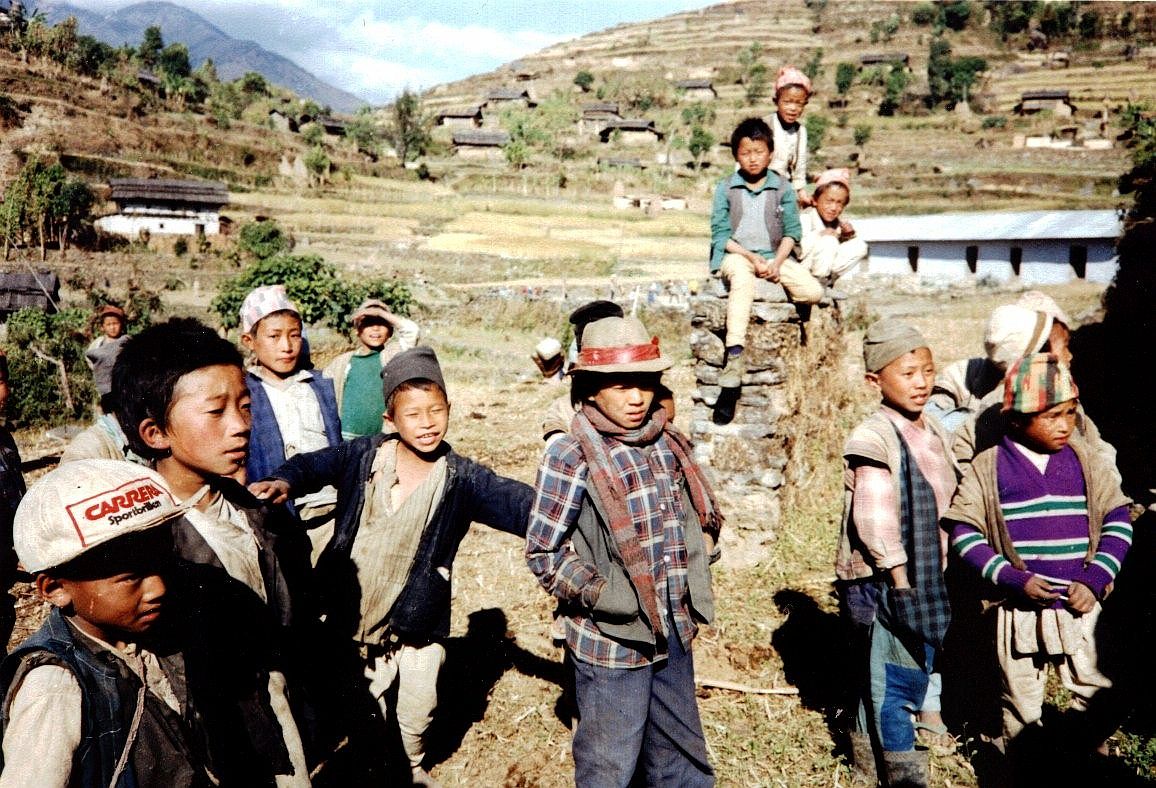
x=1047, y=520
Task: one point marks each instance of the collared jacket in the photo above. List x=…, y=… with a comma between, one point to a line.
x=169, y=748
x=266, y=445
x=472, y=493
x=782, y=216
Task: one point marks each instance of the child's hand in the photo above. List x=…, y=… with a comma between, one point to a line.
x=759, y=263
x=846, y=231
x=274, y=491
x=1040, y=591
x=1080, y=598
x=803, y=198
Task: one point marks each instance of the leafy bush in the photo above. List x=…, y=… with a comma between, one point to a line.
x=924, y=14
x=584, y=80
x=994, y=122
x=313, y=284
x=263, y=239
x=38, y=393
x=956, y=15
x=844, y=77
x=816, y=130
x=861, y=135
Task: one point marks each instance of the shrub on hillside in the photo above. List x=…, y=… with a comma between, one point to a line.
x=861, y=134
x=816, y=130
x=844, y=77
x=263, y=239
x=313, y=284
x=924, y=14
x=994, y=122
x=40, y=346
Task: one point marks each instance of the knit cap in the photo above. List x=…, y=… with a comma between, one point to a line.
x=262, y=302
x=84, y=504
x=1037, y=382
x=839, y=175
x=419, y=363
x=1014, y=332
x=887, y=340
x=789, y=75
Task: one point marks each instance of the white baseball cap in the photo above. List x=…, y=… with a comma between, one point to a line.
x=86, y=503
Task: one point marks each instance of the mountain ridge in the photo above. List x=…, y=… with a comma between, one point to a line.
x=233, y=57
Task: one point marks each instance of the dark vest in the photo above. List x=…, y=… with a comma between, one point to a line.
x=266, y=446
x=773, y=214
x=168, y=748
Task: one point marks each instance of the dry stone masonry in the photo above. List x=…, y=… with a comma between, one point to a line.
x=749, y=454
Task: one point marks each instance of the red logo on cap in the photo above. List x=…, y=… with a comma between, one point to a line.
x=102, y=505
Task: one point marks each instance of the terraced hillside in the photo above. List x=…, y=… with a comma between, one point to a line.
x=918, y=161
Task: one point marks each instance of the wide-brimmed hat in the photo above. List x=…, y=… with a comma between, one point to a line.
x=262, y=302
x=84, y=504
x=620, y=344
x=372, y=307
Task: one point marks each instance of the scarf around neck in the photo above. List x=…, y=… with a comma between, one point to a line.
x=589, y=428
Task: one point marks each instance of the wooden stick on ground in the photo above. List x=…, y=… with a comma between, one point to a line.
x=736, y=687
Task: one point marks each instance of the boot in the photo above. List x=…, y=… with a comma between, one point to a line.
x=732, y=375
x=906, y=769
x=863, y=770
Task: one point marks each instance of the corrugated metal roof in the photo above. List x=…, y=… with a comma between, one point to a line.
x=1008, y=225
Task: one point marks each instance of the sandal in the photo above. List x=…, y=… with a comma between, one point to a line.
x=935, y=737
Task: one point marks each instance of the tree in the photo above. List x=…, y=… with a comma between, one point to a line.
x=924, y=14
x=1009, y=18
x=1090, y=26
x=317, y=163
x=362, y=131
x=584, y=80
x=897, y=80
x=312, y=133
x=264, y=239
x=408, y=127
x=151, y=46
x=700, y=142
x=844, y=77
x=43, y=205
x=816, y=130
x=956, y=14
x=861, y=135
x=813, y=68
x=526, y=135
x=253, y=85
x=753, y=74
x=173, y=61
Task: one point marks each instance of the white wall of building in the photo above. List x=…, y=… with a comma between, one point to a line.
x=130, y=225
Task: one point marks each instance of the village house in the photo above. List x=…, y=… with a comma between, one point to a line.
x=282, y=122
x=696, y=89
x=499, y=99
x=636, y=131
x=1037, y=247
x=148, y=79
x=165, y=207
x=595, y=116
x=461, y=118
x=1058, y=102
x=28, y=290
x=884, y=59
x=485, y=145
x=333, y=127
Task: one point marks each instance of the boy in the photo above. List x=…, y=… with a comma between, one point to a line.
x=11, y=491
x=356, y=374
x=829, y=247
x=754, y=227
x=405, y=502
x=294, y=409
x=189, y=412
x=1041, y=517
x=97, y=696
x=622, y=533
x=792, y=92
x=897, y=478
x=102, y=351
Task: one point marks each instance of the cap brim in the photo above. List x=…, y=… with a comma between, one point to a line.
x=659, y=364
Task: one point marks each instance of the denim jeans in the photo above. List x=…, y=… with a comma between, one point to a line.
x=647, y=714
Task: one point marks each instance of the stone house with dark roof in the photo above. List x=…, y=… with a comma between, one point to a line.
x=1058, y=102
x=461, y=117
x=632, y=131
x=164, y=206
x=696, y=89
x=488, y=145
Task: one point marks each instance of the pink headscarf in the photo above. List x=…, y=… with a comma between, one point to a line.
x=789, y=75
x=839, y=175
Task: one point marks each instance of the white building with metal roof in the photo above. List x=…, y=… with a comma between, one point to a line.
x=1038, y=247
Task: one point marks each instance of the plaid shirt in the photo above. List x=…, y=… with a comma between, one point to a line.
x=654, y=499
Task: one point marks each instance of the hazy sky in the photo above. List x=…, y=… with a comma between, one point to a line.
x=374, y=48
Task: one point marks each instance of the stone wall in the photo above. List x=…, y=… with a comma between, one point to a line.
x=750, y=454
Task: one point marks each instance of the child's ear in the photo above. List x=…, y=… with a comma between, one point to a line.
x=53, y=591
x=153, y=436
x=247, y=341
x=872, y=379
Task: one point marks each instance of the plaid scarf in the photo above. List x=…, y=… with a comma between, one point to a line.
x=605, y=477
x=926, y=612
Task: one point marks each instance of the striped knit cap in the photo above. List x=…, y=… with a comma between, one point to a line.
x=1037, y=382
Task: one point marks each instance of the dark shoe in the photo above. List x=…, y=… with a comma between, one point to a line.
x=906, y=769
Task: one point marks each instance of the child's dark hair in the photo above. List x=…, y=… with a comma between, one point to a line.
x=151, y=363
x=3, y=367
x=585, y=385
x=416, y=384
x=753, y=129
